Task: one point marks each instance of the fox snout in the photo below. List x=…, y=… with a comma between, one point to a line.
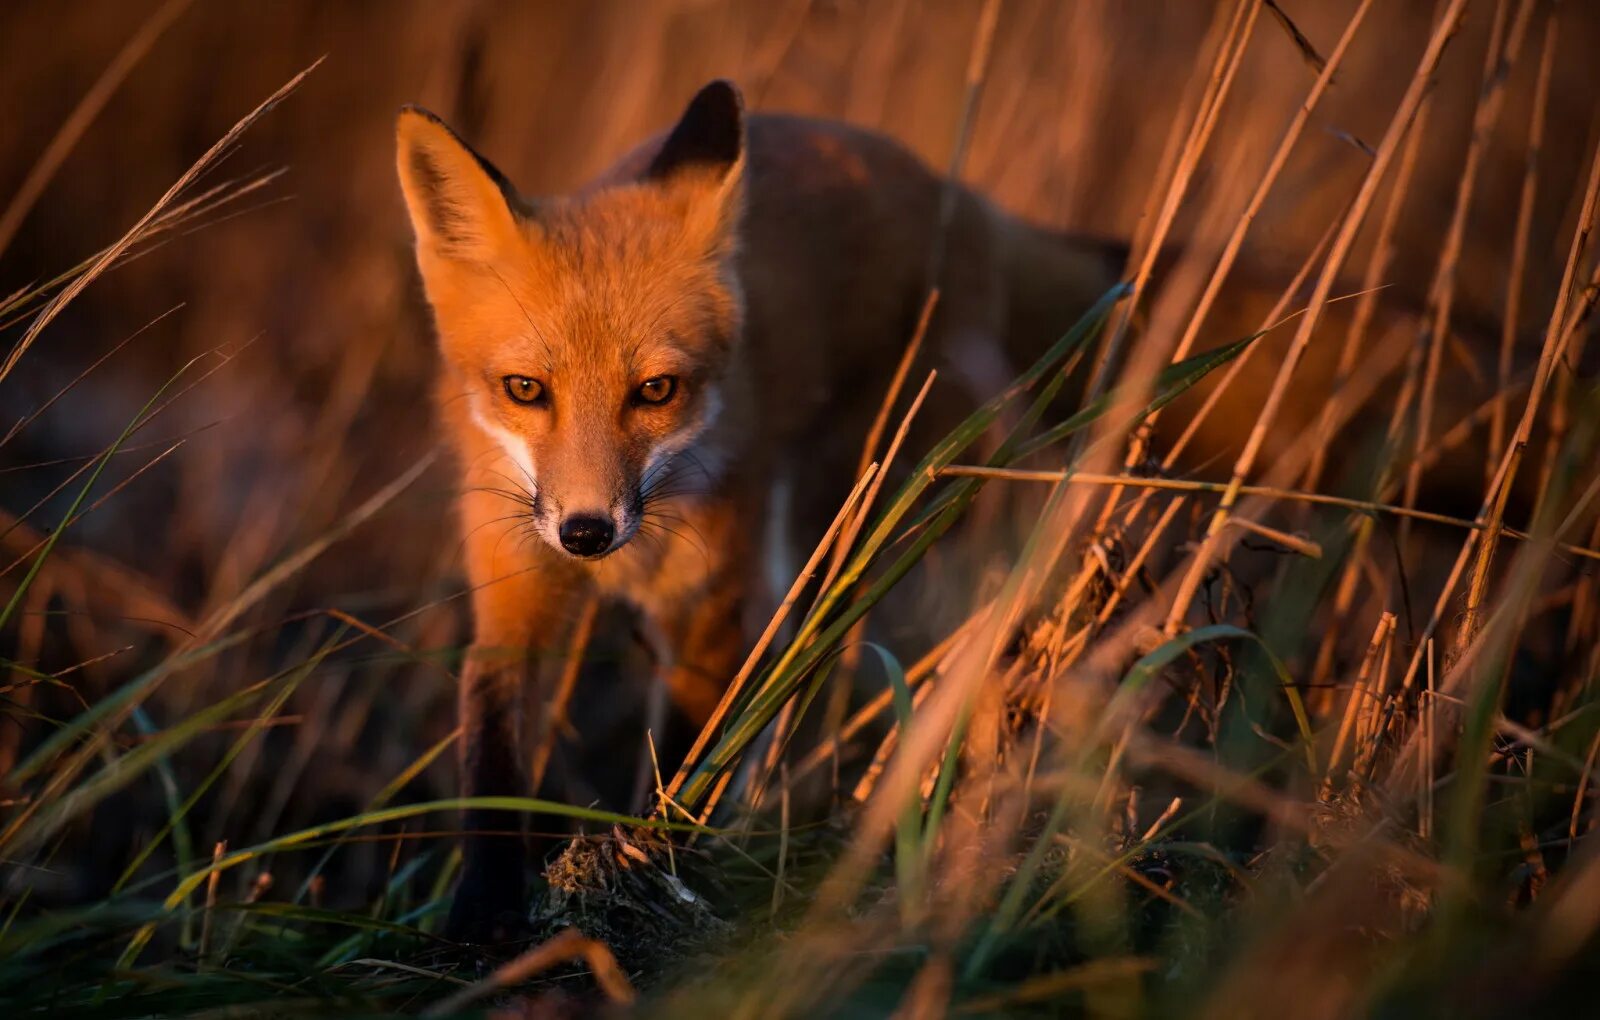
x=586, y=525
x=588, y=504
x=587, y=535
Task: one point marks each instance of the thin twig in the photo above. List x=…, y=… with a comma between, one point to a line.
x=1191, y=485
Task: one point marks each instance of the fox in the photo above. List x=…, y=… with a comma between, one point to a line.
x=637, y=376
x=628, y=371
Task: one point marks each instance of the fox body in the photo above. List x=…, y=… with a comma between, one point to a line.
x=630, y=371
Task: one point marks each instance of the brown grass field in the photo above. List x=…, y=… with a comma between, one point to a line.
x=1265, y=685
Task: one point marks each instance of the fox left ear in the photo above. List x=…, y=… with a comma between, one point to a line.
x=708, y=137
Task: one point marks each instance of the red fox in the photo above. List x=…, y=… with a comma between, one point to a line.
x=628, y=370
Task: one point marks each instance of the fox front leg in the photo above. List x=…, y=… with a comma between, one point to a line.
x=519, y=603
x=489, y=706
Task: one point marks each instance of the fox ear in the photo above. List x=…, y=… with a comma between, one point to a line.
x=702, y=163
x=462, y=208
x=708, y=137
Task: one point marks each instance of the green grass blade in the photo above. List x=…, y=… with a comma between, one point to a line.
x=286, y=688
x=101, y=462
x=908, y=830
x=302, y=837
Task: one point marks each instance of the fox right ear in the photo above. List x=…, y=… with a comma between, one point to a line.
x=461, y=206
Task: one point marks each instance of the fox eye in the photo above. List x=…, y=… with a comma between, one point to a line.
x=523, y=389
x=658, y=390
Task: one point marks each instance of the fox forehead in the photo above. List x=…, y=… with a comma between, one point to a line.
x=631, y=225
x=609, y=274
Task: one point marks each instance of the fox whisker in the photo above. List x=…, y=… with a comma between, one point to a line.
x=698, y=542
x=520, y=498
x=663, y=531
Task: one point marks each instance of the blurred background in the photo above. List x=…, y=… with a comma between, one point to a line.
x=303, y=297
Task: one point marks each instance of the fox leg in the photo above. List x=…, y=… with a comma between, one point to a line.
x=490, y=706
x=519, y=601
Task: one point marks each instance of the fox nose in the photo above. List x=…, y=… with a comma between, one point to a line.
x=587, y=535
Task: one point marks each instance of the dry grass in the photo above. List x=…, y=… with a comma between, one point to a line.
x=1289, y=700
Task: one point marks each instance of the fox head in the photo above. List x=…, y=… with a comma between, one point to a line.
x=587, y=334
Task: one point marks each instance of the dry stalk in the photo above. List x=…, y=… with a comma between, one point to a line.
x=1280, y=157
x=204, y=952
x=1573, y=342
x=869, y=453
x=1294, y=543
x=1413, y=758
x=977, y=73
x=972, y=664
x=82, y=115
x=1557, y=339
x=1519, y=244
x=1375, y=715
x=1581, y=631
x=847, y=540
x=1266, y=491
x=880, y=423
x=1140, y=557
x=1085, y=689
x=880, y=758
x=1340, y=250
x=760, y=649
x=1224, y=68
x=1229, y=55
x=138, y=230
x=1381, y=635
x=566, y=947
x=1498, y=61
x=1184, y=161
x=1583, y=789
x=1383, y=250
x=858, y=517
x=1278, y=316
x=879, y=703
